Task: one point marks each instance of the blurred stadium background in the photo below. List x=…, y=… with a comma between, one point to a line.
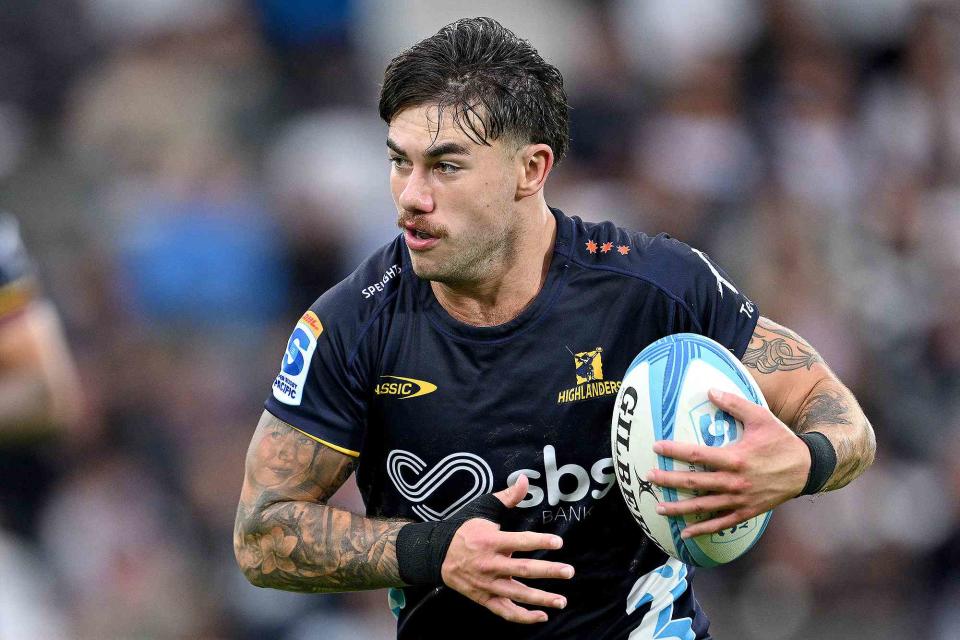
x=191, y=174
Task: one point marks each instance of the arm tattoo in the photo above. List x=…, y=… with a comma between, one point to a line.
x=779, y=350
x=826, y=407
x=786, y=366
x=833, y=411
x=286, y=537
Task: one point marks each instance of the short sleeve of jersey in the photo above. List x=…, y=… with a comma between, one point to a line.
x=318, y=389
x=17, y=286
x=323, y=386
x=709, y=302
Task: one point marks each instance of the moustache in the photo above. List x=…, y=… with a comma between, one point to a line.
x=419, y=225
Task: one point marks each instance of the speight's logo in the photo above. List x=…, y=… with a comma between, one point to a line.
x=404, y=388
x=588, y=366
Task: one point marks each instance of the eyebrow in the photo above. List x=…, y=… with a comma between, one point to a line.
x=434, y=151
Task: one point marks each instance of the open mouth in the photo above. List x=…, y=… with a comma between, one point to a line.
x=418, y=239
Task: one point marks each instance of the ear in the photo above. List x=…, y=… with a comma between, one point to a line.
x=536, y=161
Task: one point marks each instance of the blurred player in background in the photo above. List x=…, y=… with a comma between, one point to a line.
x=483, y=348
x=39, y=398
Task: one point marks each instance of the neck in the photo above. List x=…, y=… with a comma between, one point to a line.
x=510, y=286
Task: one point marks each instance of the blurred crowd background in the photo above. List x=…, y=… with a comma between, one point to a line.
x=189, y=175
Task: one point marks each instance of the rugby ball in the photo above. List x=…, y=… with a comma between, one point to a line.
x=663, y=396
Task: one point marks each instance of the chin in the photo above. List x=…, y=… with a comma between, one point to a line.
x=449, y=272
x=422, y=269
x=433, y=273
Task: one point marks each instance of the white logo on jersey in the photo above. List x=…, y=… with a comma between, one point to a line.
x=401, y=465
x=747, y=307
x=721, y=281
x=289, y=383
x=661, y=587
x=601, y=471
x=425, y=484
x=375, y=288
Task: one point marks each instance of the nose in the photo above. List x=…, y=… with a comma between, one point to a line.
x=286, y=449
x=416, y=195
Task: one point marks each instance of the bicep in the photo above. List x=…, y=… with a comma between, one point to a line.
x=785, y=366
x=286, y=464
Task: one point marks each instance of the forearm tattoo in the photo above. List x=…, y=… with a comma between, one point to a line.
x=829, y=408
x=285, y=537
x=778, y=349
x=822, y=408
x=833, y=411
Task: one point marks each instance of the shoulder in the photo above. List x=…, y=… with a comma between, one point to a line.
x=674, y=267
x=348, y=308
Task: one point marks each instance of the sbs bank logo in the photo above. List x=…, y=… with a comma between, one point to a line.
x=468, y=476
x=406, y=471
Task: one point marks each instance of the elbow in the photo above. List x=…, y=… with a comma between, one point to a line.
x=249, y=567
x=246, y=551
x=870, y=449
x=254, y=577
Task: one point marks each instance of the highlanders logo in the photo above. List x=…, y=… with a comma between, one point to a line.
x=588, y=366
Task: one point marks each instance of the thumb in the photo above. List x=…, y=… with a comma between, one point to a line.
x=511, y=496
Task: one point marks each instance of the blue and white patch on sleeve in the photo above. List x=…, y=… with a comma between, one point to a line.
x=288, y=386
x=661, y=587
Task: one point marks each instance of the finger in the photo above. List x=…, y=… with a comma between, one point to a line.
x=696, y=481
x=737, y=406
x=530, y=568
x=519, y=592
x=713, y=457
x=512, y=612
x=510, y=541
x=723, y=521
x=511, y=496
x=700, y=505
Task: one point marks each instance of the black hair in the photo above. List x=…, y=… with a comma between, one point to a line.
x=495, y=84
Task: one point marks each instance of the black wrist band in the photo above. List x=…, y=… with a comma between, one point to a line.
x=422, y=546
x=823, y=461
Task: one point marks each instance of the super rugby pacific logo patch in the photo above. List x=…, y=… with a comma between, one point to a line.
x=289, y=383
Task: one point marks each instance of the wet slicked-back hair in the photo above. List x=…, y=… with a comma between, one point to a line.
x=493, y=84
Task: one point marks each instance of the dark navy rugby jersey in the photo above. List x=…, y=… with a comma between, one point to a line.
x=440, y=412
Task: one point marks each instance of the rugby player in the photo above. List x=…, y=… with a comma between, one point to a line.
x=483, y=349
x=39, y=387
x=40, y=400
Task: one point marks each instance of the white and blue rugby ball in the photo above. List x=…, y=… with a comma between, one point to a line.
x=663, y=396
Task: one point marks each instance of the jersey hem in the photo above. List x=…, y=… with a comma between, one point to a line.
x=327, y=443
x=742, y=348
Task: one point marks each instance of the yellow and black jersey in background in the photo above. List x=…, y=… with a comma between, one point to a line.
x=17, y=283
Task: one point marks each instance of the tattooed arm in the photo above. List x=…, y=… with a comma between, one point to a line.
x=806, y=395
x=287, y=537
x=769, y=464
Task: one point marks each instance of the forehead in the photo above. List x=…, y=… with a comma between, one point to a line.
x=417, y=129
